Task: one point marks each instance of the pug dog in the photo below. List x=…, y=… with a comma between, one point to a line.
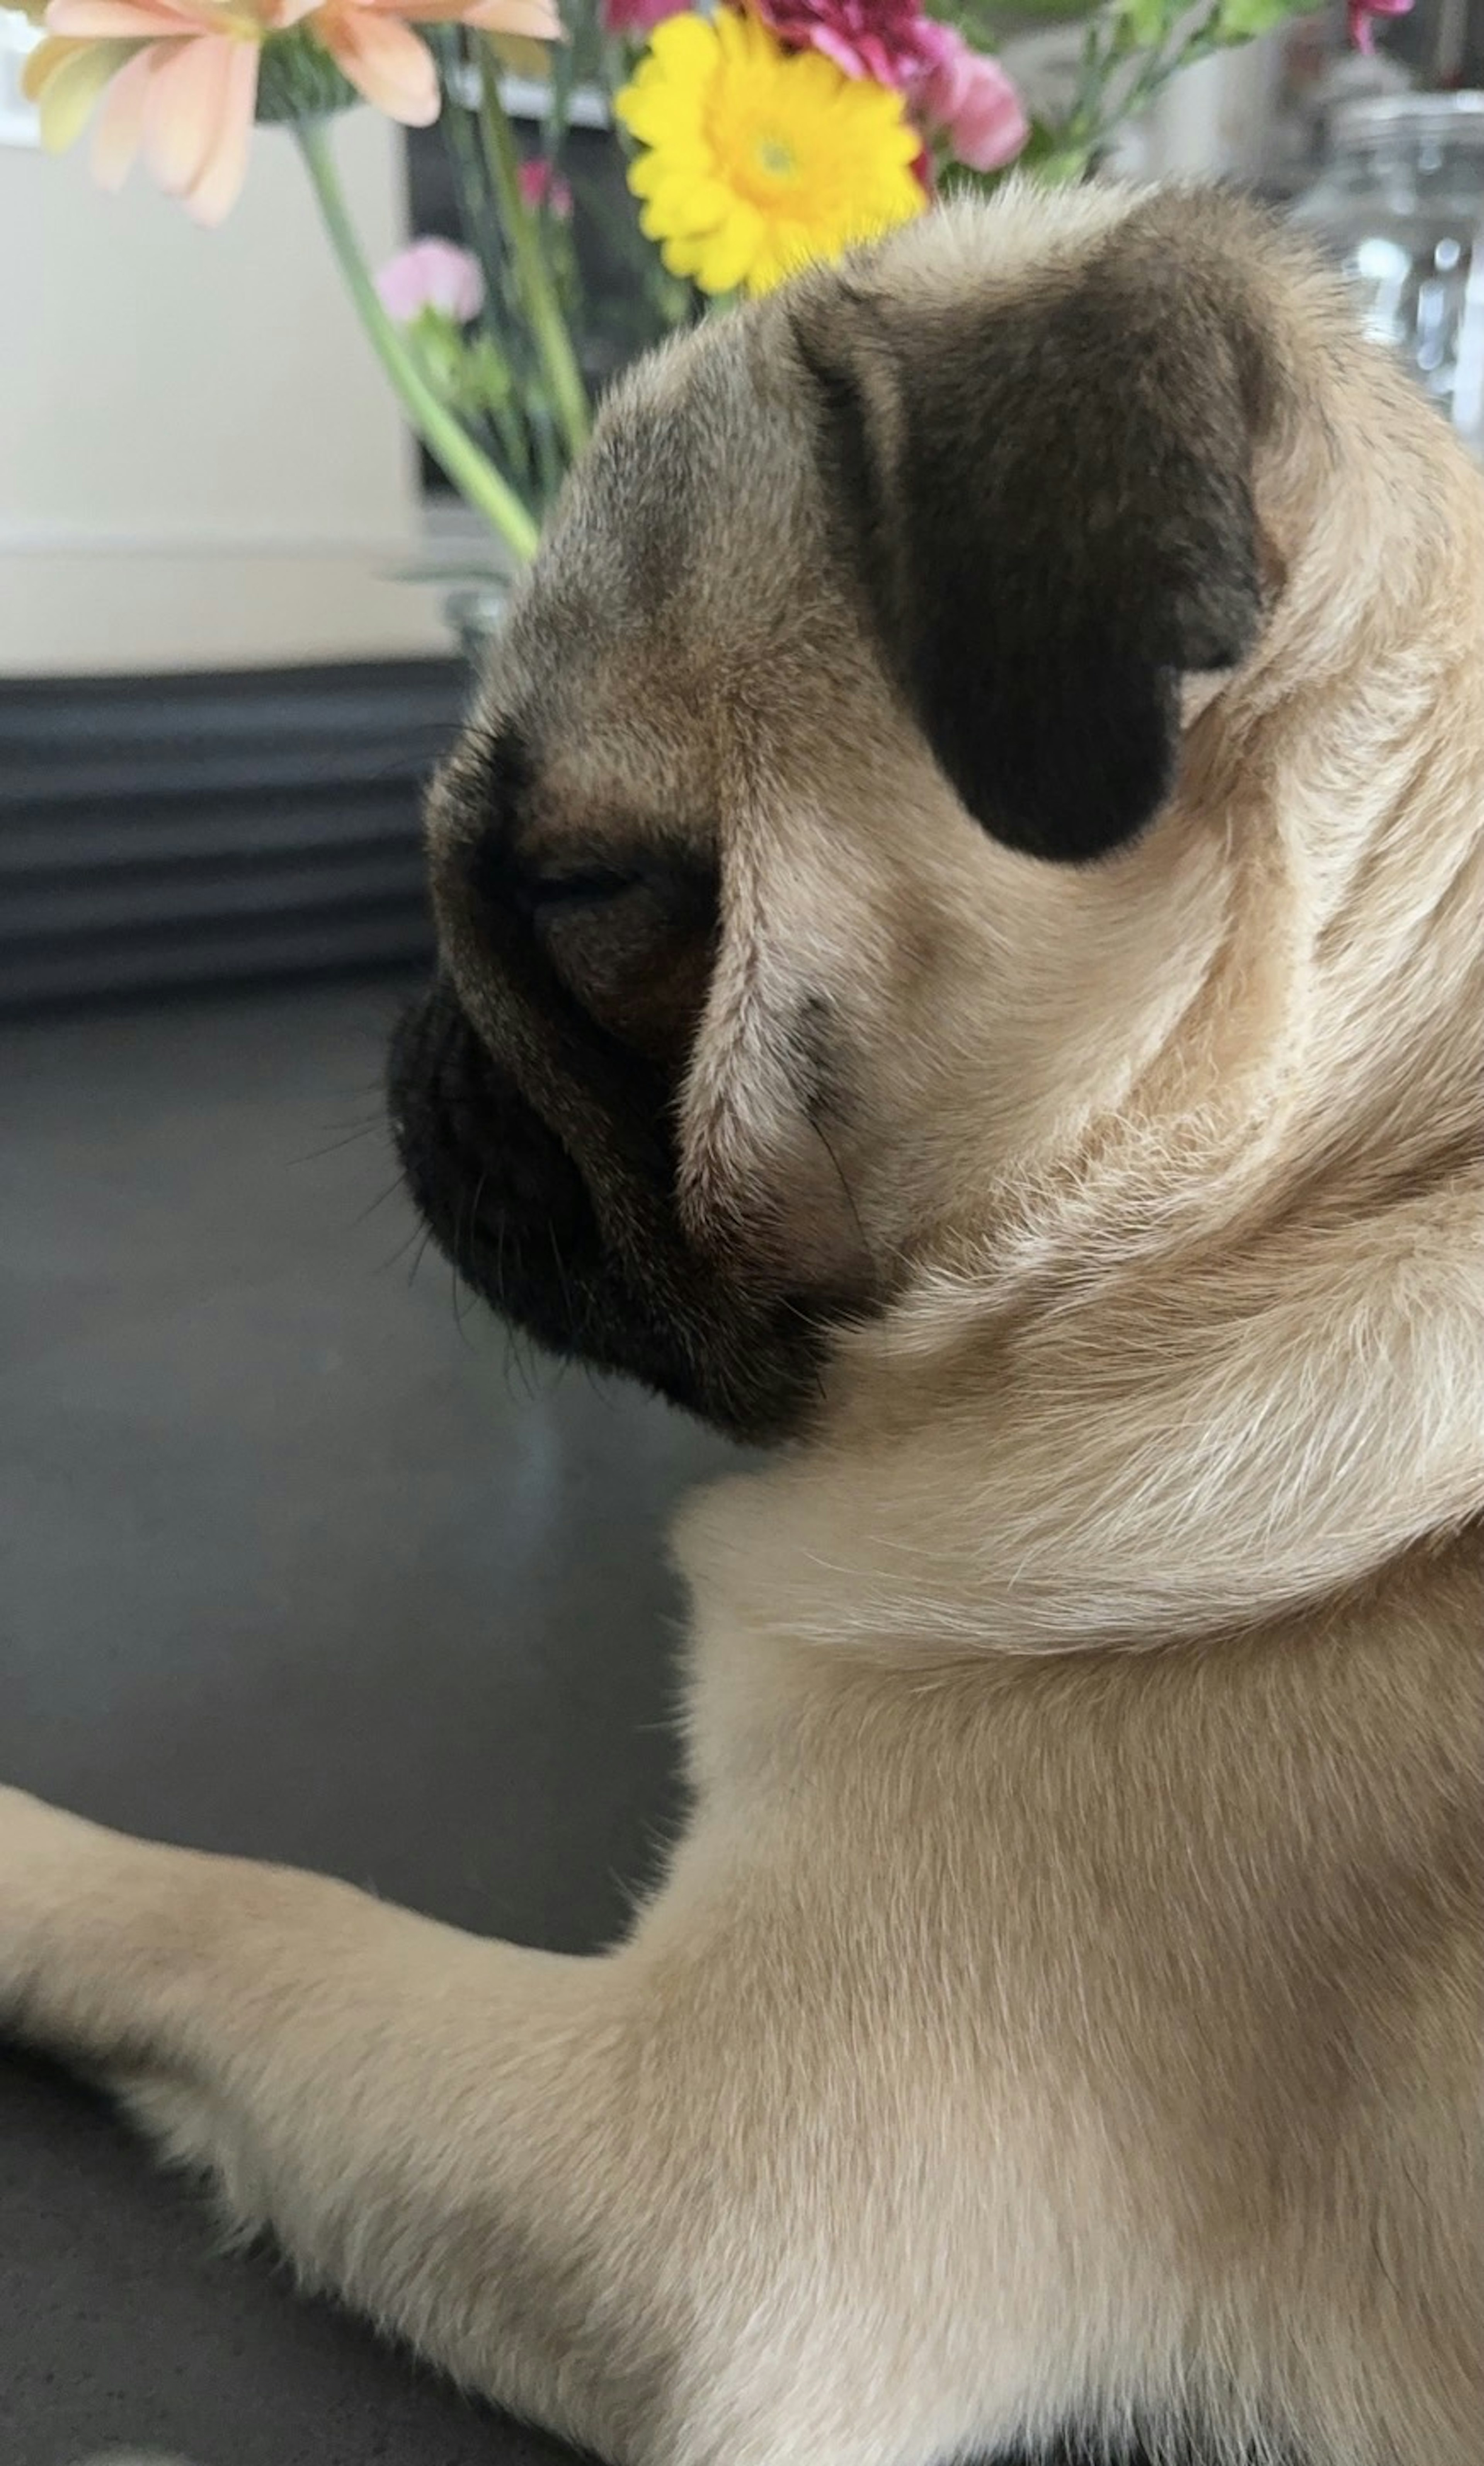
x=961, y=917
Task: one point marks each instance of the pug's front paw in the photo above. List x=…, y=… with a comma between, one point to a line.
x=53, y=1906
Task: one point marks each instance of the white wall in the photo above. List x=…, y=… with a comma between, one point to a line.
x=200, y=462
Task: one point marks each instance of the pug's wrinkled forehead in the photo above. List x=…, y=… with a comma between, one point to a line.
x=680, y=585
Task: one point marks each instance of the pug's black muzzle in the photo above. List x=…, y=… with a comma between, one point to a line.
x=591, y=1260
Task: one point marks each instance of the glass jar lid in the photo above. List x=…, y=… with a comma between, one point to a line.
x=1370, y=119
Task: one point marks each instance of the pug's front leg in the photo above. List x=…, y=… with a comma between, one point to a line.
x=444, y=2129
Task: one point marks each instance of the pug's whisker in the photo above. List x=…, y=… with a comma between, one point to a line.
x=560, y=1265
x=418, y=1257
x=379, y=1202
x=845, y=1191
x=368, y=1104
x=395, y=1258
x=458, y=1290
x=463, y=1260
x=474, y=1211
x=337, y=1146
x=515, y=1367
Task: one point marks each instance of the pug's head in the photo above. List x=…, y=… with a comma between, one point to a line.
x=822, y=847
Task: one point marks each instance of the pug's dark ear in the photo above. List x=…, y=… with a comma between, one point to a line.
x=1047, y=496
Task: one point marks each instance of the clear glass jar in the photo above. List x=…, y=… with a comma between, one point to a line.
x=1399, y=203
x=474, y=614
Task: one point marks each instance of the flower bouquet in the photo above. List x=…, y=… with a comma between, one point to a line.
x=759, y=135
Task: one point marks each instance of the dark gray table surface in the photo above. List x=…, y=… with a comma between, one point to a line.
x=294, y=1563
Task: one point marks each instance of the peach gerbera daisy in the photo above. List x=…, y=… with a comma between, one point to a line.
x=179, y=77
x=372, y=42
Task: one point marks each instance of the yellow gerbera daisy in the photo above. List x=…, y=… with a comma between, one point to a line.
x=756, y=158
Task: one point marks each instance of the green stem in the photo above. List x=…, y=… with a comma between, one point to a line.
x=1150, y=82
x=471, y=472
x=477, y=214
x=1076, y=133
x=548, y=326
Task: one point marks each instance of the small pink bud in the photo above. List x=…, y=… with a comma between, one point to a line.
x=539, y=186
x=431, y=273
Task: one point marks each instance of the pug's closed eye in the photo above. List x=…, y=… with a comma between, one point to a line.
x=632, y=944
x=592, y=887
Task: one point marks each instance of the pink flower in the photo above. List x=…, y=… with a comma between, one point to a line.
x=1362, y=33
x=431, y=273
x=889, y=40
x=639, y=18
x=968, y=98
x=542, y=187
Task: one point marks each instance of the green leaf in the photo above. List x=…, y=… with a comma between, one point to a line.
x=988, y=28
x=1051, y=155
x=439, y=344
x=1146, y=23
x=1242, y=21
x=487, y=381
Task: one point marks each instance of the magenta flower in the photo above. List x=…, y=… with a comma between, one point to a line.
x=431, y=273
x=543, y=186
x=1362, y=33
x=967, y=98
x=889, y=40
x=639, y=18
